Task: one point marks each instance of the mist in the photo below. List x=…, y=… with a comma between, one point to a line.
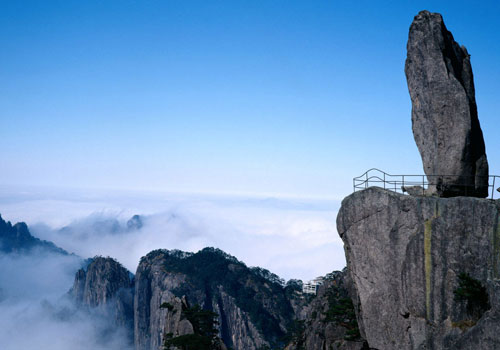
x=292, y=237
x=36, y=313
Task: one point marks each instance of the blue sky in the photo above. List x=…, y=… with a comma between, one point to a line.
x=290, y=98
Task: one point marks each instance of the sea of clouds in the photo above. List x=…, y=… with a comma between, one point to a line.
x=36, y=313
x=292, y=237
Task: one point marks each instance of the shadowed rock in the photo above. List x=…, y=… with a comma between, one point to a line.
x=17, y=239
x=105, y=286
x=444, y=112
x=252, y=307
x=329, y=321
x=414, y=190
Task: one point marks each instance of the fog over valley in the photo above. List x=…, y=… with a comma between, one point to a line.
x=294, y=238
x=35, y=311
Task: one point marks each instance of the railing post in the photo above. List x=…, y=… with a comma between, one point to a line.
x=493, y=187
x=423, y=185
x=403, y=184
x=384, y=181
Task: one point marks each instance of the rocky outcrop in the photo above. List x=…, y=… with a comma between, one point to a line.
x=254, y=308
x=106, y=285
x=406, y=255
x=153, y=288
x=238, y=327
x=444, y=112
x=329, y=321
x=253, y=312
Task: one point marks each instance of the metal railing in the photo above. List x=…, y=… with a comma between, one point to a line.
x=395, y=183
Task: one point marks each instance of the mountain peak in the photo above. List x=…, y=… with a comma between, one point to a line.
x=18, y=239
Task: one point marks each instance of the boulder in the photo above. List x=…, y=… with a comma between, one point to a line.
x=444, y=112
x=414, y=190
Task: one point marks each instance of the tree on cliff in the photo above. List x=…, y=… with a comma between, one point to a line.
x=205, y=331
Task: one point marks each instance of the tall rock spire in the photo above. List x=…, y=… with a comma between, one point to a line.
x=444, y=112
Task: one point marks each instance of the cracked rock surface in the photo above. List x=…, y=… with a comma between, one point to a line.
x=404, y=255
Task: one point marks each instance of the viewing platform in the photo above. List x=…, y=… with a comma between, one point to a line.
x=417, y=184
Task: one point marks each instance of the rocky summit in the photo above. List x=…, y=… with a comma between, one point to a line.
x=106, y=285
x=425, y=267
x=426, y=270
x=252, y=311
x=174, y=293
x=444, y=112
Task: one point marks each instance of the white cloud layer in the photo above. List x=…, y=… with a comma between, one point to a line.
x=35, y=314
x=294, y=238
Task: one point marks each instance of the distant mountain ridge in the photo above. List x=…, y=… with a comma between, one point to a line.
x=99, y=224
x=18, y=239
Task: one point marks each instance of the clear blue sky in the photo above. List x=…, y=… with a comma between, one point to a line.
x=283, y=97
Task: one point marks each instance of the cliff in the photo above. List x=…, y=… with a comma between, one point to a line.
x=175, y=294
x=425, y=269
x=105, y=286
x=329, y=320
x=252, y=310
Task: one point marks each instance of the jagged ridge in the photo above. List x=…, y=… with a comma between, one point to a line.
x=18, y=239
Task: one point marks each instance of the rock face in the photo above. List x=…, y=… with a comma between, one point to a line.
x=329, y=321
x=154, y=287
x=405, y=256
x=253, y=311
x=444, y=112
x=106, y=285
